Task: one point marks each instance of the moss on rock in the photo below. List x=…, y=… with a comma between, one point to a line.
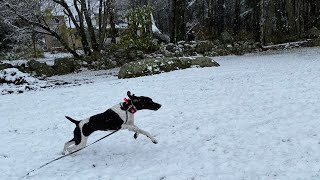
x=158, y=65
x=41, y=68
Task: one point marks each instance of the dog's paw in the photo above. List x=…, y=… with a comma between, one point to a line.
x=136, y=135
x=154, y=141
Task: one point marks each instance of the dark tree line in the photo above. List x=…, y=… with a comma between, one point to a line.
x=260, y=20
x=265, y=21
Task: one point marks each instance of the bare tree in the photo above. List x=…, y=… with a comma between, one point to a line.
x=82, y=14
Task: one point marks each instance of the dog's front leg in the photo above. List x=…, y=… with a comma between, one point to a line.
x=139, y=131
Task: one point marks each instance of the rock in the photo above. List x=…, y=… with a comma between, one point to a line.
x=313, y=33
x=211, y=53
x=41, y=68
x=64, y=65
x=162, y=37
x=140, y=54
x=222, y=51
x=178, y=54
x=189, y=49
x=103, y=63
x=131, y=54
x=181, y=42
x=158, y=65
x=119, y=53
x=169, y=54
x=151, y=66
x=312, y=43
x=13, y=76
x=204, y=46
x=204, y=62
x=226, y=37
x=5, y=66
x=171, y=47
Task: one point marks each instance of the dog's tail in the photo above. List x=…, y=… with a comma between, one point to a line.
x=72, y=120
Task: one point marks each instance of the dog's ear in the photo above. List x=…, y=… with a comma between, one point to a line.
x=129, y=95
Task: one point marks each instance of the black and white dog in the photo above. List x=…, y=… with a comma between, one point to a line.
x=119, y=116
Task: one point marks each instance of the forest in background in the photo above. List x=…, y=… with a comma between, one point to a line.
x=264, y=21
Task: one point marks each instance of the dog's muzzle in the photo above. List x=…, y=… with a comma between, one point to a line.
x=156, y=106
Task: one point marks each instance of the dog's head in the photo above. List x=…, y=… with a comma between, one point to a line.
x=142, y=102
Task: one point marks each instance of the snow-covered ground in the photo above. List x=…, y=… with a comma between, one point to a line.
x=48, y=59
x=255, y=117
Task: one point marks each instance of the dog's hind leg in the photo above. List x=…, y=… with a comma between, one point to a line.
x=68, y=144
x=76, y=147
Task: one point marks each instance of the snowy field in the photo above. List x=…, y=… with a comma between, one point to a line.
x=255, y=117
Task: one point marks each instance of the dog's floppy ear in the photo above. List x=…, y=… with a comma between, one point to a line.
x=129, y=95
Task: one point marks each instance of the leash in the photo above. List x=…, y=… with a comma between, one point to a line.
x=68, y=154
x=132, y=106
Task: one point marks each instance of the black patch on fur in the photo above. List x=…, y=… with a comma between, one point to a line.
x=143, y=102
x=72, y=120
x=109, y=120
x=77, y=135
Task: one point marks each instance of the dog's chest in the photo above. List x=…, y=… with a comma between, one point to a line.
x=127, y=117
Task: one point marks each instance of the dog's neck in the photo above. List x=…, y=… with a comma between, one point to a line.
x=128, y=106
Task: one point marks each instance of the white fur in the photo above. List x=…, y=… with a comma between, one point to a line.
x=83, y=142
x=123, y=114
x=128, y=124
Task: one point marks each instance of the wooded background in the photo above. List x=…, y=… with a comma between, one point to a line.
x=264, y=21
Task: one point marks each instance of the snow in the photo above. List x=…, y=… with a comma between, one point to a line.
x=48, y=59
x=254, y=117
x=155, y=29
x=18, y=82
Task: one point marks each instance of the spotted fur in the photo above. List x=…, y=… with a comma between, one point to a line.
x=119, y=116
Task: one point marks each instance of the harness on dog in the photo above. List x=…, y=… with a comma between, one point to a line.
x=131, y=108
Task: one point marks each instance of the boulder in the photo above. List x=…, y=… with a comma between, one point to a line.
x=171, y=47
x=313, y=33
x=131, y=54
x=312, y=43
x=64, y=65
x=204, y=62
x=5, y=66
x=189, y=49
x=41, y=69
x=226, y=37
x=158, y=65
x=119, y=53
x=161, y=37
x=204, y=46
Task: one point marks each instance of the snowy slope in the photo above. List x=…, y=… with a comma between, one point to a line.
x=255, y=117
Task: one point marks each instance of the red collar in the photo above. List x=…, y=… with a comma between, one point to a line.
x=131, y=107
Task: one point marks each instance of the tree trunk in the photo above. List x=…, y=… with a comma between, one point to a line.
x=178, y=22
x=84, y=9
x=104, y=25
x=113, y=30
x=220, y=16
x=262, y=22
x=173, y=21
x=81, y=30
x=34, y=41
x=290, y=16
x=236, y=23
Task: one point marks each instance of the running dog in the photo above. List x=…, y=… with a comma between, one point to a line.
x=119, y=116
